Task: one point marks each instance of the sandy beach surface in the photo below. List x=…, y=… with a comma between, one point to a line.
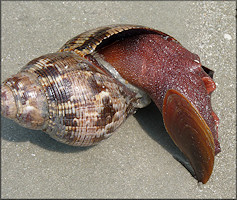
x=139, y=160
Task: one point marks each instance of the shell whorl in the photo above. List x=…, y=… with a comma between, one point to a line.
x=87, y=42
x=83, y=106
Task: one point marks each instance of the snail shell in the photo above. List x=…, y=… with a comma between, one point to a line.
x=82, y=93
x=68, y=98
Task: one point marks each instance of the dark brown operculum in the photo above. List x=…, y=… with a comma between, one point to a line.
x=181, y=89
x=83, y=105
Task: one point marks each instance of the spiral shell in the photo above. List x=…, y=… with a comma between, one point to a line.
x=82, y=93
x=65, y=96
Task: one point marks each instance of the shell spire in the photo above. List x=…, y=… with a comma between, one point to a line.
x=23, y=100
x=8, y=104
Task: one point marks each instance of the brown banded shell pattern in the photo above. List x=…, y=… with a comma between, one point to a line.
x=87, y=42
x=83, y=105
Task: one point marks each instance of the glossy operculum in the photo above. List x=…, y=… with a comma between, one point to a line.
x=190, y=133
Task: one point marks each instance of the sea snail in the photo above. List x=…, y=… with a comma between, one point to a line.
x=82, y=93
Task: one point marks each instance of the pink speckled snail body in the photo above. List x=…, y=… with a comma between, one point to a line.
x=82, y=93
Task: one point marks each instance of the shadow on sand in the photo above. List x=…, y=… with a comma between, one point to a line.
x=149, y=118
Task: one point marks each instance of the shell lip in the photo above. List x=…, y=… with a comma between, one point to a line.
x=142, y=98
